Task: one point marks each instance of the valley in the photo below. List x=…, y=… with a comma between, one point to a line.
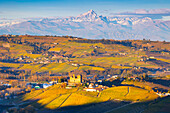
x=72, y=74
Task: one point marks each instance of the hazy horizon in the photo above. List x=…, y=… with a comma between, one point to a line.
x=15, y=9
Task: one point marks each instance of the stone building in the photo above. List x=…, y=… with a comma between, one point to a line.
x=76, y=79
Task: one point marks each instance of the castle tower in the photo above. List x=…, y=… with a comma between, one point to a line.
x=76, y=79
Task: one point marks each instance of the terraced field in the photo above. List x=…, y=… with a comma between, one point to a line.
x=91, y=68
x=58, y=67
x=80, y=52
x=12, y=65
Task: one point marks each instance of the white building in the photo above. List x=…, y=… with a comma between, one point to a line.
x=46, y=85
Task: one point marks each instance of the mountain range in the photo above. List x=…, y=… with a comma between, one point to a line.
x=92, y=26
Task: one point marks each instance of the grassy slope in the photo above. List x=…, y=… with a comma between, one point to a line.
x=77, y=99
x=58, y=67
x=57, y=102
x=145, y=85
x=160, y=106
x=91, y=68
x=134, y=94
x=54, y=96
x=78, y=50
x=15, y=65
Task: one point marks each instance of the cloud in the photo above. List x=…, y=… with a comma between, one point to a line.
x=147, y=12
x=152, y=13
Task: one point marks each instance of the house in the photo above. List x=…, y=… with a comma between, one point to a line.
x=61, y=61
x=114, y=76
x=74, y=64
x=151, y=57
x=133, y=78
x=100, y=81
x=37, y=87
x=96, y=85
x=135, y=67
x=45, y=85
x=76, y=79
x=123, y=54
x=90, y=89
x=93, y=89
x=53, y=82
x=7, y=85
x=91, y=85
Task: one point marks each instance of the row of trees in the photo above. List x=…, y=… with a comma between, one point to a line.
x=103, y=41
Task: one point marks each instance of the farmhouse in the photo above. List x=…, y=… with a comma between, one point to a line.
x=45, y=85
x=90, y=89
x=93, y=89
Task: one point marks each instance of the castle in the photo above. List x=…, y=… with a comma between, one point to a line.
x=76, y=79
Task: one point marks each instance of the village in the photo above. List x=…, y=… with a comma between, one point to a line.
x=90, y=85
x=8, y=92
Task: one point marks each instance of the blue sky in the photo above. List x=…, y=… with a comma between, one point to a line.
x=46, y=8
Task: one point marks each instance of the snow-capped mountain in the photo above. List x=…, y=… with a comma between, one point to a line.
x=91, y=15
x=91, y=25
x=4, y=22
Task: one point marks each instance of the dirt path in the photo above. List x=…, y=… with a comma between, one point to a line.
x=64, y=101
x=128, y=90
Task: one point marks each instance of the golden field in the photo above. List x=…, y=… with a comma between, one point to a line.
x=56, y=97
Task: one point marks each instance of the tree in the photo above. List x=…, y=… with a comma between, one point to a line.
x=145, y=76
x=59, y=80
x=124, y=73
